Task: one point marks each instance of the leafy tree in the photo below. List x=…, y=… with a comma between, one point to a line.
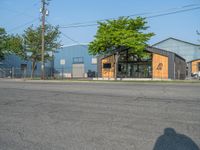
x=10, y=44
x=33, y=40
x=3, y=39
x=123, y=32
x=15, y=45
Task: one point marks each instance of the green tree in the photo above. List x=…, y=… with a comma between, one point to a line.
x=123, y=32
x=3, y=39
x=33, y=40
x=15, y=46
x=11, y=44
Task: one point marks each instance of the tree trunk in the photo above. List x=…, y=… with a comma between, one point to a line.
x=33, y=69
x=116, y=64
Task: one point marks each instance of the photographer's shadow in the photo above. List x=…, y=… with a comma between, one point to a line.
x=171, y=140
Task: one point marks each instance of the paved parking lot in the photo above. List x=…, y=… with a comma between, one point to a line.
x=99, y=116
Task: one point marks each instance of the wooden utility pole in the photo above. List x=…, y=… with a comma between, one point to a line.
x=43, y=41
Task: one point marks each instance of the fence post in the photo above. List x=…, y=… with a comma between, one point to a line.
x=24, y=73
x=62, y=72
x=13, y=72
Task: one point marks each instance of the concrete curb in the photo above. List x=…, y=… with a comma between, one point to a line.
x=102, y=80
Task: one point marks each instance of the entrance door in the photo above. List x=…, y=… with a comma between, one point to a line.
x=78, y=70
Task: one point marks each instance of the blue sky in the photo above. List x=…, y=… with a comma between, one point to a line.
x=17, y=15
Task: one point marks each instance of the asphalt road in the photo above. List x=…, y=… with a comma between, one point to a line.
x=99, y=116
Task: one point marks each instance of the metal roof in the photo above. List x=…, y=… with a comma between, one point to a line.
x=176, y=40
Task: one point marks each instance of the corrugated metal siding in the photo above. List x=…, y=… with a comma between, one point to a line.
x=180, y=68
x=171, y=69
x=186, y=50
x=189, y=65
x=69, y=52
x=15, y=62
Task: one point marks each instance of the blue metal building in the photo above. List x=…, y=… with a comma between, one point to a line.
x=188, y=51
x=74, y=61
x=13, y=66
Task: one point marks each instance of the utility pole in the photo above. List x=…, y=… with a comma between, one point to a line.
x=44, y=13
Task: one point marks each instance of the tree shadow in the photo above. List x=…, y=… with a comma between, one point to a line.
x=171, y=140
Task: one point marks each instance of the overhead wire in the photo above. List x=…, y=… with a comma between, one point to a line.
x=22, y=25
x=25, y=14
x=149, y=17
x=19, y=13
x=170, y=13
x=75, y=41
x=70, y=38
x=91, y=23
x=86, y=24
x=175, y=11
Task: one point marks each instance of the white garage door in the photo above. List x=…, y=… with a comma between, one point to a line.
x=78, y=70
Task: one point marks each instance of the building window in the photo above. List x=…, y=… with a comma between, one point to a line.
x=94, y=61
x=78, y=60
x=107, y=65
x=198, y=66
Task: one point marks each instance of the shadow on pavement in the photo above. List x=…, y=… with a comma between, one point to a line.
x=171, y=140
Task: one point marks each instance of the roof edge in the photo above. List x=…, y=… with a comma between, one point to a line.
x=176, y=40
x=193, y=60
x=165, y=51
x=80, y=44
x=148, y=48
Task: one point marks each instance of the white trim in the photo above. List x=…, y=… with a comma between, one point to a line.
x=84, y=44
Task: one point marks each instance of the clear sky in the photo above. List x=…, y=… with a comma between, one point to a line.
x=17, y=15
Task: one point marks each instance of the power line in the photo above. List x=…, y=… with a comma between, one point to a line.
x=139, y=14
x=22, y=25
x=176, y=12
x=75, y=41
x=19, y=13
x=77, y=25
x=22, y=13
x=94, y=21
x=153, y=16
x=68, y=37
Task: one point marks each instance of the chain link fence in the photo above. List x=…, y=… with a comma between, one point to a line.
x=77, y=72
x=17, y=73
x=56, y=73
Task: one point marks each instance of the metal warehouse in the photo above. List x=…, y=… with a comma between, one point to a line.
x=15, y=67
x=73, y=61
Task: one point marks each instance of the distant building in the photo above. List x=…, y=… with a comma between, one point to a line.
x=70, y=61
x=74, y=61
x=194, y=67
x=189, y=51
x=13, y=66
x=159, y=64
